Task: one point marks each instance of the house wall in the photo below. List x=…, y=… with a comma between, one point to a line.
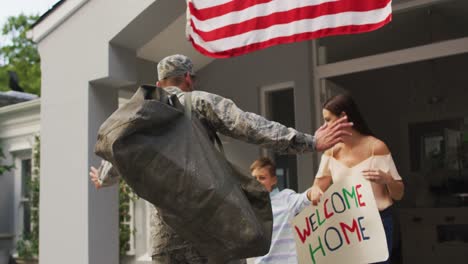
x=79, y=92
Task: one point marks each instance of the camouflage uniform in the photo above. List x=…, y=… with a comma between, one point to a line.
x=226, y=118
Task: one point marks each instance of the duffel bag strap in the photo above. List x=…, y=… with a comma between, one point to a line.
x=188, y=104
x=212, y=133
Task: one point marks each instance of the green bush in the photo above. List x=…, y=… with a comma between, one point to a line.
x=28, y=245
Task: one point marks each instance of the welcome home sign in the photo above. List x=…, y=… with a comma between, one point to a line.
x=345, y=227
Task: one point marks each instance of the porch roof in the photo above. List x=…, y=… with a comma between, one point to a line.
x=48, y=12
x=170, y=38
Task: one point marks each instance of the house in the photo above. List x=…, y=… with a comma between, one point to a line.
x=14, y=97
x=19, y=138
x=408, y=78
x=19, y=125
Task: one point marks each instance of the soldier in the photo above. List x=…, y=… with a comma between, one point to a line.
x=176, y=76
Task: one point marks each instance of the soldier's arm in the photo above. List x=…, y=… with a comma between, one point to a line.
x=230, y=120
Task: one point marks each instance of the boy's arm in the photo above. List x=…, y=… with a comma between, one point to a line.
x=108, y=174
x=298, y=201
x=105, y=176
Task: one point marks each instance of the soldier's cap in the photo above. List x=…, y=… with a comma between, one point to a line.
x=175, y=65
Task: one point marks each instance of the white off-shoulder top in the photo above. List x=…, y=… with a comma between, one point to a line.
x=331, y=167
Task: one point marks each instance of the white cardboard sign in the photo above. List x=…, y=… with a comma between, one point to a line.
x=345, y=227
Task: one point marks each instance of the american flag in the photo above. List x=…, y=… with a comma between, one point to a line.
x=227, y=28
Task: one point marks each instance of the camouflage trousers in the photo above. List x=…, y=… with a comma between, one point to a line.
x=186, y=255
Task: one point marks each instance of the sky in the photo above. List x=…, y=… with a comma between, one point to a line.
x=28, y=7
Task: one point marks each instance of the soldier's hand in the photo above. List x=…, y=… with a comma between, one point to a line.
x=94, y=175
x=332, y=133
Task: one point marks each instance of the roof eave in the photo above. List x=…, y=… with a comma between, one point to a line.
x=53, y=18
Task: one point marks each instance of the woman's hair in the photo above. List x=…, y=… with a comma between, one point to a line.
x=344, y=103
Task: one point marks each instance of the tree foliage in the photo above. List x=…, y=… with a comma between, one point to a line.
x=28, y=245
x=126, y=196
x=4, y=167
x=19, y=54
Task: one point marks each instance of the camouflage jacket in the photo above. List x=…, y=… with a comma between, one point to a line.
x=226, y=118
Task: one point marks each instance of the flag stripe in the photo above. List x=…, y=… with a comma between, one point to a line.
x=295, y=27
x=226, y=8
x=307, y=12
x=236, y=7
x=257, y=11
x=226, y=53
x=211, y=3
x=230, y=28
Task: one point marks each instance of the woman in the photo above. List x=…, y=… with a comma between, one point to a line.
x=362, y=152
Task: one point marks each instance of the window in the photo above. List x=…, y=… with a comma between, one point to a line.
x=439, y=149
x=144, y=227
x=23, y=174
x=25, y=196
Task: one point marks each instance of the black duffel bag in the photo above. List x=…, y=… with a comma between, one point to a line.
x=168, y=159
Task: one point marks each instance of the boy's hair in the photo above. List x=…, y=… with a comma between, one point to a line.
x=264, y=162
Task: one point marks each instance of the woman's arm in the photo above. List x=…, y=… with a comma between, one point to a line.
x=323, y=179
x=391, y=178
x=396, y=189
